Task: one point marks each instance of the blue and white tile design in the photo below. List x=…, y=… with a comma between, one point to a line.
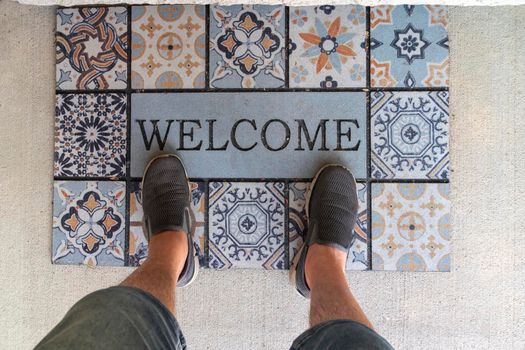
x=90, y=135
x=410, y=138
x=88, y=222
x=327, y=46
x=298, y=225
x=246, y=225
x=409, y=46
x=138, y=244
x=247, y=46
x=411, y=228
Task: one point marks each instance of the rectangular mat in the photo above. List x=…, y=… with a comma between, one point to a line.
x=254, y=98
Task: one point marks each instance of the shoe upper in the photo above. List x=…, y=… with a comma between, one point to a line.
x=332, y=213
x=166, y=205
x=332, y=208
x=165, y=196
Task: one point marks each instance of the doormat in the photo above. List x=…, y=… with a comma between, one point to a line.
x=254, y=99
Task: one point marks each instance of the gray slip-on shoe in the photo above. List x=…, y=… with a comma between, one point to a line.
x=166, y=203
x=331, y=211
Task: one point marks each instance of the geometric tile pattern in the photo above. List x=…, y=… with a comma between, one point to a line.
x=409, y=46
x=411, y=227
x=400, y=67
x=246, y=225
x=327, y=45
x=247, y=46
x=409, y=135
x=138, y=244
x=168, y=46
x=298, y=225
x=88, y=222
x=91, y=48
x=90, y=135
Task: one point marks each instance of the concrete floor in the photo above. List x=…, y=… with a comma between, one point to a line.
x=479, y=305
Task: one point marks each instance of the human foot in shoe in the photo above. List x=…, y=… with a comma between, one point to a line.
x=331, y=210
x=166, y=204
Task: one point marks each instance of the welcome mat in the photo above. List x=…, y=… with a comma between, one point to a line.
x=254, y=99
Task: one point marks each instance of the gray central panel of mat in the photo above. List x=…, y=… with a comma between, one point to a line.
x=252, y=134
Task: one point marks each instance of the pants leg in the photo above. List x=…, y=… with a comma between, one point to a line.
x=116, y=318
x=338, y=335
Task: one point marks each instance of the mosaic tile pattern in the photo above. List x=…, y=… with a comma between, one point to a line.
x=327, y=45
x=409, y=46
x=247, y=46
x=246, y=225
x=410, y=135
x=90, y=135
x=411, y=229
x=314, y=61
x=138, y=244
x=168, y=47
x=88, y=222
x=298, y=225
x=91, y=46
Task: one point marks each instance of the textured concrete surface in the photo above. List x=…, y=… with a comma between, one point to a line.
x=479, y=305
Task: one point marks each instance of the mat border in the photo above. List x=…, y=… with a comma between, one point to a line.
x=129, y=91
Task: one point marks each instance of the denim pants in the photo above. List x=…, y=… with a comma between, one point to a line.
x=129, y=318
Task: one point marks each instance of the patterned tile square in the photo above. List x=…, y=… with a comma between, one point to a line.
x=297, y=225
x=246, y=225
x=168, y=47
x=138, y=245
x=89, y=222
x=409, y=135
x=90, y=135
x=327, y=45
x=411, y=227
x=247, y=46
x=91, y=46
x=409, y=46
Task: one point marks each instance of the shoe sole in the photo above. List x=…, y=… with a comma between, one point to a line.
x=297, y=257
x=196, y=258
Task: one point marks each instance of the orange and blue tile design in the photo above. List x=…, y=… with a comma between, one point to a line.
x=89, y=222
x=168, y=47
x=411, y=228
x=409, y=46
x=394, y=58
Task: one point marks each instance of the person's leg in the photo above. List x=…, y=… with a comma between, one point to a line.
x=330, y=295
x=318, y=271
x=160, y=272
x=139, y=313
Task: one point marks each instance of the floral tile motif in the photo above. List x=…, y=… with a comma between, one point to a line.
x=246, y=225
x=409, y=135
x=411, y=229
x=138, y=244
x=168, y=47
x=91, y=48
x=297, y=225
x=90, y=135
x=89, y=222
x=247, y=46
x=409, y=46
x=327, y=46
